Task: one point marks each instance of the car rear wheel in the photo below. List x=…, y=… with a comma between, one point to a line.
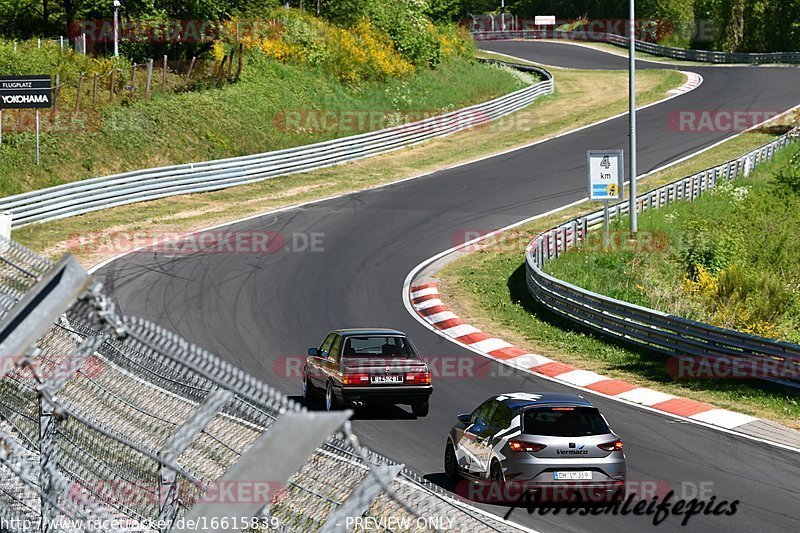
x=420, y=409
x=309, y=392
x=496, y=472
x=330, y=398
x=450, y=462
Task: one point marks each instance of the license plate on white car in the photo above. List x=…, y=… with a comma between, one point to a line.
x=573, y=475
x=387, y=379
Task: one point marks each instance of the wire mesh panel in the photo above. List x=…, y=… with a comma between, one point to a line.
x=114, y=423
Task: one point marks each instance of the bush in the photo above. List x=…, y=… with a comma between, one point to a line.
x=706, y=246
x=404, y=21
x=786, y=182
x=356, y=53
x=28, y=58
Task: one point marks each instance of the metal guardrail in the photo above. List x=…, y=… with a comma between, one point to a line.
x=95, y=194
x=111, y=423
x=705, y=56
x=647, y=328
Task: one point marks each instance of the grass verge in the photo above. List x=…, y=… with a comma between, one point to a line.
x=487, y=289
x=273, y=106
x=581, y=98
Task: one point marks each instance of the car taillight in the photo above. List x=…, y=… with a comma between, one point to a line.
x=355, y=379
x=421, y=378
x=520, y=446
x=613, y=446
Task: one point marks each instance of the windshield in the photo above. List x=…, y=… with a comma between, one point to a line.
x=379, y=346
x=564, y=422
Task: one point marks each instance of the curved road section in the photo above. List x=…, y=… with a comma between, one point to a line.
x=346, y=259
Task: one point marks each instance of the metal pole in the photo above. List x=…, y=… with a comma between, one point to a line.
x=607, y=235
x=37, y=136
x=503, y=15
x=116, y=28
x=632, y=119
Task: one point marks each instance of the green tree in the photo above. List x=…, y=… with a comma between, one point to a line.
x=441, y=11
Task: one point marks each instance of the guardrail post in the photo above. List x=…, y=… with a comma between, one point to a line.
x=584, y=229
x=6, y=219
x=574, y=229
x=555, y=243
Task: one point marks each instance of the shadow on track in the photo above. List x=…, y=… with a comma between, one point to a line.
x=368, y=412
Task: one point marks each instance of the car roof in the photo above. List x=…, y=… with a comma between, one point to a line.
x=352, y=332
x=522, y=400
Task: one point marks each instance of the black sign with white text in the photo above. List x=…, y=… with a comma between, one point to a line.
x=25, y=92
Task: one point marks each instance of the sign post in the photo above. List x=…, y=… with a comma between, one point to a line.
x=26, y=92
x=37, y=137
x=632, y=117
x=606, y=175
x=544, y=20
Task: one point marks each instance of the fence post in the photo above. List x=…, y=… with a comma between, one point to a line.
x=164, y=75
x=189, y=72
x=55, y=100
x=221, y=70
x=133, y=79
x=94, y=90
x=149, y=78
x=78, y=95
x=111, y=85
x=239, y=67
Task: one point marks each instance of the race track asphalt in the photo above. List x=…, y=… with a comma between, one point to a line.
x=258, y=310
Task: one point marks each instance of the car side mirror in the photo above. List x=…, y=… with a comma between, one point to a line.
x=313, y=352
x=464, y=418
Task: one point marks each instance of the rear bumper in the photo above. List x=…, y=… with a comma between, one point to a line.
x=386, y=394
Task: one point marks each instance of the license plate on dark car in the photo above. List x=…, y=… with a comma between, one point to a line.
x=387, y=379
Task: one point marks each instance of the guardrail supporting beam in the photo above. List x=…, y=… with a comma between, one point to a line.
x=197, y=421
x=36, y=312
x=273, y=459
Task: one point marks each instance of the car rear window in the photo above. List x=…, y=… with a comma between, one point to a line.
x=379, y=346
x=564, y=422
